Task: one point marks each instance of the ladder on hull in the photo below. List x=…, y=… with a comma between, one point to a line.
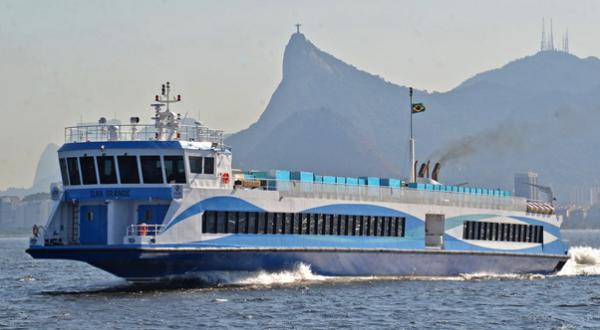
x=75, y=223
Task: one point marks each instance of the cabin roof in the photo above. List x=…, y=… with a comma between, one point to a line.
x=189, y=145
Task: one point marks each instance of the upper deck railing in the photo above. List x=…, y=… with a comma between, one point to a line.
x=392, y=194
x=130, y=132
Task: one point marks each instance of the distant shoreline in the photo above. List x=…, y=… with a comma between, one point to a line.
x=571, y=226
x=15, y=232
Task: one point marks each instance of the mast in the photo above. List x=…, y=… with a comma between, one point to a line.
x=166, y=119
x=413, y=176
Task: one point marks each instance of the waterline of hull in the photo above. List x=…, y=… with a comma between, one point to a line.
x=141, y=263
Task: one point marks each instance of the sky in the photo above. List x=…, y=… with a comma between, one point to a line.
x=66, y=61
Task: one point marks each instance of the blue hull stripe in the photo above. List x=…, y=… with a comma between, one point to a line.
x=219, y=203
x=554, y=230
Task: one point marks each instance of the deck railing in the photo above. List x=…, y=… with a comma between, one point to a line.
x=391, y=194
x=144, y=230
x=129, y=132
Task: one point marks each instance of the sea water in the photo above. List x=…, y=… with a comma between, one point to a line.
x=73, y=295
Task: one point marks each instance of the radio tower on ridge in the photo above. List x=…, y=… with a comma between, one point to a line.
x=551, y=41
x=547, y=40
x=543, y=43
x=565, y=45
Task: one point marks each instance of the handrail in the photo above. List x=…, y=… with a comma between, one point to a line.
x=130, y=132
x=144, y=229
x=402, y=194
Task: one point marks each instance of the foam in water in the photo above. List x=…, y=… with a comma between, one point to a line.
x=301, y=273
x=584, y=260
x=490, y=276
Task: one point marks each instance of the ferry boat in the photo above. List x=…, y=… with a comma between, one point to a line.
x=149, y=202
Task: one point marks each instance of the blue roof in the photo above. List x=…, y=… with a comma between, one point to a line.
x=121, y=145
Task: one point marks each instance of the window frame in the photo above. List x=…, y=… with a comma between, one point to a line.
x=85, y=173
x=64, y=171
x=213, y=165
x=76, y=174
x=100, y=169
x=174, y=160
x=137, y=169
x=162, y=170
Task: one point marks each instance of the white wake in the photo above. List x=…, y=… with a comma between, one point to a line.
x=302, y=273
x=583, y=261
x=299, y=274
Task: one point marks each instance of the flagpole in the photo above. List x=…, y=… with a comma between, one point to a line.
x=412, y=140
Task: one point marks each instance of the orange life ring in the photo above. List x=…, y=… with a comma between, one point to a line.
x=143, y=229
x=35, y=230
x=225, y=178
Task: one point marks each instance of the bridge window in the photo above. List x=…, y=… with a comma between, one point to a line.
x=195, y=164
x=209, y=165
x=151, y=169
x=73, y=166
x=106, y=169
x=88, y=170
x=63, y=171
x=174, y=169
x=128, y=169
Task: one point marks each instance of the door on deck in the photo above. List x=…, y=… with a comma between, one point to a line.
x=434, y=231
x=93, y=225
x=152, y=214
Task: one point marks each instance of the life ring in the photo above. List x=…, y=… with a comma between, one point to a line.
x=143, y=229
x=35, y=230
x=225, y=178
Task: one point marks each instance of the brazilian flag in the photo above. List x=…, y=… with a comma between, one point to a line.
x=418, y=107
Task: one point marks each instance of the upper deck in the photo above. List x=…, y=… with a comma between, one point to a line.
x=105, y=132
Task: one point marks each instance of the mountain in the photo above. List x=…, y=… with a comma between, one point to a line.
x=46, y=172
x=535, y=113
x=544, y=71
x=320, y=108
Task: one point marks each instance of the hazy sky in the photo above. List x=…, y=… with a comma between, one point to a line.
x=65, y=60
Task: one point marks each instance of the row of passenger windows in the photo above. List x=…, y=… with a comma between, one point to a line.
x=508, y=232
x=129, y=169
x=232, y=222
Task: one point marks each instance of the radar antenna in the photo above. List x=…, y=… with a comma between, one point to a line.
x=166, y=119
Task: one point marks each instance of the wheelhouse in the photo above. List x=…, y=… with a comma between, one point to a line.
x=142, y=164
x=117, y=176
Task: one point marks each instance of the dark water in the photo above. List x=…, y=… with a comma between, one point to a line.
x=71, y=295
